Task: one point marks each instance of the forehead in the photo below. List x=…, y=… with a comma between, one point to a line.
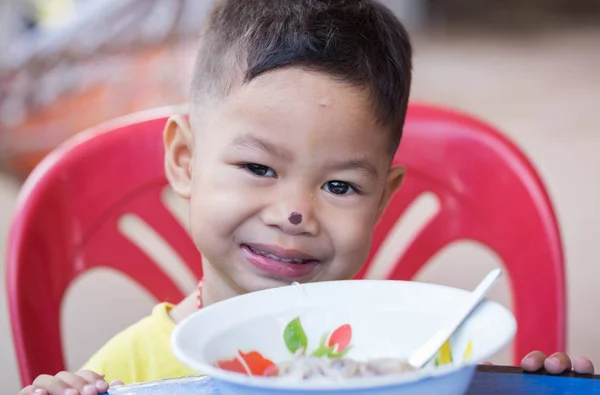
x=292, y=104
x=298, y=90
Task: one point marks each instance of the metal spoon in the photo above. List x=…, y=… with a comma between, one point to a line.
x=426, y=352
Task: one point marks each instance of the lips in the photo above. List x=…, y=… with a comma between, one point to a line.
x=281, y=255
x=275, y=257
x=279, y=263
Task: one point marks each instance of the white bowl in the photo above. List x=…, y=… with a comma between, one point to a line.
x=387, y=319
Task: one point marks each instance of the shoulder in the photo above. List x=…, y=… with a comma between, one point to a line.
x=141, y=352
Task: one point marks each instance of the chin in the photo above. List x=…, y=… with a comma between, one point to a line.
x=259, y=283
x=252, y=282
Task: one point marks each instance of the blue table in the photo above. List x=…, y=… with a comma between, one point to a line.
x=493, y=380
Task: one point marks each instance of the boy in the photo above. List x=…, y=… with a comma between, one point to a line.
x=297, y=108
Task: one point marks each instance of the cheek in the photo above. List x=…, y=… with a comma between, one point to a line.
x=202, y=227
x=215, y=209
x=352, y=242
x=212, y=218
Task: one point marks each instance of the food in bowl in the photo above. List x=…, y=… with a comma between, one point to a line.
x=309, y=367
x=327, y=362
x=242, y=342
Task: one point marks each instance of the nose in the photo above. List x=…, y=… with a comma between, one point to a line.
x=294, y=214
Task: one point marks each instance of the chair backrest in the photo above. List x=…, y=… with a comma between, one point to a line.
x=67, y=222
x=490, y=193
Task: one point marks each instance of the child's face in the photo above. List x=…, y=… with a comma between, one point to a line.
x=286, y=178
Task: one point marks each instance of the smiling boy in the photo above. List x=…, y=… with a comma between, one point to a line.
x=297, y=109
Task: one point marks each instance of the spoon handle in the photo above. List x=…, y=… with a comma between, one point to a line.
x=426, y=352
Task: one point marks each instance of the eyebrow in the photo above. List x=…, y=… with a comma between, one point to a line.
x=253, y=142
x=357, y=164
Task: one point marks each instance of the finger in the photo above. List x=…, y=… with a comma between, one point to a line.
x=533, y=361
x=583, y=366
x=33, y=390
x=557, y=363
x=90, y=389
x=53, y=385
x=96, y=383
x=73, y=380
x=116, y=383
x=90, y=376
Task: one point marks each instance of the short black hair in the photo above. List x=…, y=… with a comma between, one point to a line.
x=360, y=42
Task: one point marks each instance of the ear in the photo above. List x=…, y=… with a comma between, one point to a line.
x=392, y=184
x=178, y=141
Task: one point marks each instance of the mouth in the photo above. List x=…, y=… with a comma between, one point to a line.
x=282, y=256
x=279, y=263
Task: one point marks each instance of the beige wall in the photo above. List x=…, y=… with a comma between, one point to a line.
x=543, y=92
x=8, y=370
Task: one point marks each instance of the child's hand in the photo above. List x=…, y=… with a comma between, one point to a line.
x=556, y=363
x=84, y=382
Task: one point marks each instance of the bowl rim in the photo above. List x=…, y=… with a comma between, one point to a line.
x=364, y=383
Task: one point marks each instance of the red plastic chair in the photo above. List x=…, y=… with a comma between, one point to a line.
x=490, y=193
x=68, y=210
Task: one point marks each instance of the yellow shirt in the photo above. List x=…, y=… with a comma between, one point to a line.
x=141, y=352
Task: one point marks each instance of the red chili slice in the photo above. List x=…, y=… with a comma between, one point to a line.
x=340, y=338
x=257, y=364
x=232, y=365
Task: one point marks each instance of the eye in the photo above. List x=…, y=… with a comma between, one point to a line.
x=340, y=188
x=259, y=170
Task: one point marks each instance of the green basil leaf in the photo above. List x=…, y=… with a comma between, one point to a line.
x=294, y=336
x=322, y=352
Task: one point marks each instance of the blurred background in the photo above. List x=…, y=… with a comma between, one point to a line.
x=529, y=67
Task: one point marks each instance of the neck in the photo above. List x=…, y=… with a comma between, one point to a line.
x=185, y=308
x=214, y=289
